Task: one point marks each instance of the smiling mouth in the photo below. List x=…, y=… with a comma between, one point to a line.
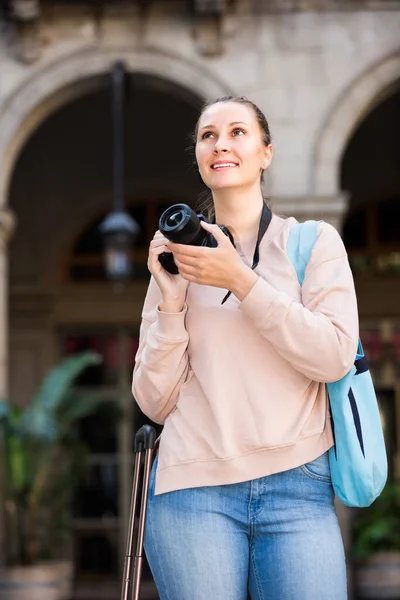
x=227, y=165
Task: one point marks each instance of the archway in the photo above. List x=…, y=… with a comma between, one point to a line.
x=370, y=174
x=63, y=176
x=347, y=113
x=58, y=82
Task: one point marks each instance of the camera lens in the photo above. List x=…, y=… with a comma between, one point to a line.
x=180, y=224
x=174, y=220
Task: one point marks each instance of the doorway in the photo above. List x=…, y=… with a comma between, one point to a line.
x=370, y=173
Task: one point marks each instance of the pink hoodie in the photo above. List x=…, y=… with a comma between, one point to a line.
x=240, y=387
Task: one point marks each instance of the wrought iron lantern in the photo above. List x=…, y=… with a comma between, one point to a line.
x=119, y=229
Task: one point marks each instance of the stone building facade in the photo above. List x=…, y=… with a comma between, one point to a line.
x=325, y=77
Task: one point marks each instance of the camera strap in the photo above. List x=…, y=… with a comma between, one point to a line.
x=265, y=220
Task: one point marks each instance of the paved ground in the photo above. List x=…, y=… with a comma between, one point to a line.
x=113, y=592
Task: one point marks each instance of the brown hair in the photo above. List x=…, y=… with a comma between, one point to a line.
x=205, y=202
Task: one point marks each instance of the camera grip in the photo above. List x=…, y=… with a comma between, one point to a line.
x=211, y=242
x=167, y=262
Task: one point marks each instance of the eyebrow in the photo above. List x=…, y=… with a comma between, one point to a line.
x=230, y=125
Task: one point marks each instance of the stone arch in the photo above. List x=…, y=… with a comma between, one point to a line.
x=62, y=80
x=357, y=100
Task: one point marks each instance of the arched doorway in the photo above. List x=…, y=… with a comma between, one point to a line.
x=347, y=113
x=61, y=302
x=370, y=174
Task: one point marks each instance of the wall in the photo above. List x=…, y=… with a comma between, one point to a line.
x=298, y=67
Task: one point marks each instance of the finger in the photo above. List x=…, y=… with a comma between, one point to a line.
x=153, y=261
x=159, y=242
x=187, y=261
x=157, y=250
x=159, y=236
x=222, y=239
x=184, y=250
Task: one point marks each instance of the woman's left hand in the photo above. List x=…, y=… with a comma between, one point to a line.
x=219, y=267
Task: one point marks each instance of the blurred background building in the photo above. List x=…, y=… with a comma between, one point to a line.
x=327, y=76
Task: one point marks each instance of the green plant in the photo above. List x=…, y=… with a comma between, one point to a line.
x=44, y=459
x=377, y=528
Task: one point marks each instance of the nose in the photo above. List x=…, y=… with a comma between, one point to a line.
x=221, y=145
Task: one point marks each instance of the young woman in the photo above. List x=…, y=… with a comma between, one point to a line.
x=240, y=497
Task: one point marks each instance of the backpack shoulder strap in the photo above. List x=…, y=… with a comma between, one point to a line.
x=302, y=238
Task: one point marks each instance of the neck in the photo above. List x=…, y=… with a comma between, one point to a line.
x=240, y=210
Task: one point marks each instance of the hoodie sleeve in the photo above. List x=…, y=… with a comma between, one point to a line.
x=162, y=363
x=319, y=336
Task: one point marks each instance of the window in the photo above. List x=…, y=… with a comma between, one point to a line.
x=372, y=238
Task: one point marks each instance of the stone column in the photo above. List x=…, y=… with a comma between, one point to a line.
x=7, y=223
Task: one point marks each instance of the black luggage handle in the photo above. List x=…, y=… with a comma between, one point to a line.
x=145, y=441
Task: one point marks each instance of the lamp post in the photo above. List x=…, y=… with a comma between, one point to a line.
x=119, y=229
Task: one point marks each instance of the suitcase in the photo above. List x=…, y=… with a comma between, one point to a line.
x=145, y=441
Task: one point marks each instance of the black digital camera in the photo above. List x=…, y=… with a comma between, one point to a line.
x=180, y=224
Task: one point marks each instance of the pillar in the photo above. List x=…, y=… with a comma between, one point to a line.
x=7, y=223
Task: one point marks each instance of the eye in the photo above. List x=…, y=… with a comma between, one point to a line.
x=206, y=135
x=238, y=131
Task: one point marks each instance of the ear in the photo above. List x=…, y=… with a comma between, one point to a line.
x=268, y=152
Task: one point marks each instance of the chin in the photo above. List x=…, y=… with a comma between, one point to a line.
x=224, y=183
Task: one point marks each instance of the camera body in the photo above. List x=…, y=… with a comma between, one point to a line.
x=180, y=224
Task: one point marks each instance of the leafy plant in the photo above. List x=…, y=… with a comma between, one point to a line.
x=377, y=528
x=44, y=458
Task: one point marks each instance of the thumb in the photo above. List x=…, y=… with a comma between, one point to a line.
x=222, y=239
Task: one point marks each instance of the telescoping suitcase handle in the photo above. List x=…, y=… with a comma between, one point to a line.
x=145, y=441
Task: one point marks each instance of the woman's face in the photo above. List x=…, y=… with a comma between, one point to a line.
x=230, y=150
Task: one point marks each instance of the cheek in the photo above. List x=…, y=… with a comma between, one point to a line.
x=254, y=156
x=244, y=147
x=201, y=157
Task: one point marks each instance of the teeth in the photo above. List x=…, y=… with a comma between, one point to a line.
x=221, y=165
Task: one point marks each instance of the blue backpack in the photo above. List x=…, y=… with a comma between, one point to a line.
x=358, y=458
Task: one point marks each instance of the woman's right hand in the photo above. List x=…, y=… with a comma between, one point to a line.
x=173, y=288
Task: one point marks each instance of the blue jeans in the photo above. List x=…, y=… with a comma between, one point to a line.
x=274, y=538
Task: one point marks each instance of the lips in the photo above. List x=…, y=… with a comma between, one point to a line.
x=223, y=165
